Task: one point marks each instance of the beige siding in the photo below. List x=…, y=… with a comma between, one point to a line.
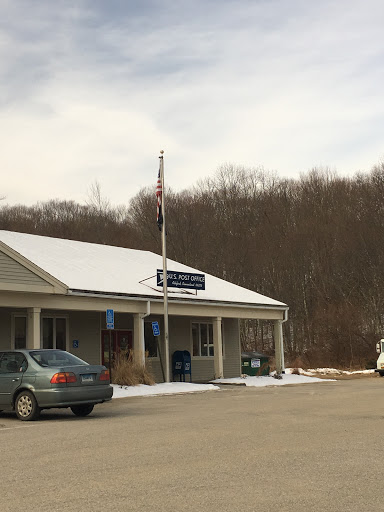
x=179, y=334
x=13, y=272
x=85, y=327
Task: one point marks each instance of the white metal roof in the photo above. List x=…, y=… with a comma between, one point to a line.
x=115, y=270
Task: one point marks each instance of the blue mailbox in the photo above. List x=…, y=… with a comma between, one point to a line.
x=181, y=364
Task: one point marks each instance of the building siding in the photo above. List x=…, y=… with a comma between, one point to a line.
x=85, y=327
x=13, y=272
x=202, y=367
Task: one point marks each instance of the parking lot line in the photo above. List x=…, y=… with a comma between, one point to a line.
x=12, y=428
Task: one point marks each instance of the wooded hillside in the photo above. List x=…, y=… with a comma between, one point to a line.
x=316, y=243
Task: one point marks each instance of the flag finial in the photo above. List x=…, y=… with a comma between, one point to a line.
x=161, y=152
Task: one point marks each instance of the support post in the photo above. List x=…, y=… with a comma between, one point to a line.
x=138, y=339
x=33, y=336
x=279, y=346
x=218, y=348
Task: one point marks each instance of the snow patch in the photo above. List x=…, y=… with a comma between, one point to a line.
x=329, y=371
x=268, y=380
x=166, y=388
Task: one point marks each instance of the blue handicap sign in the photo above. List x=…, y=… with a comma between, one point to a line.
x=110, y=319
x=75, y=343
x=155, y=328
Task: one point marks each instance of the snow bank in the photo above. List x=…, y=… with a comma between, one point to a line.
x=270, y=381
x=167, y=388
x=330, y=371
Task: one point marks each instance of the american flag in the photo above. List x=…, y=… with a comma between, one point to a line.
x=159, y=193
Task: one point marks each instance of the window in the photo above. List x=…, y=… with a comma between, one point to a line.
x=202, y=339
x=55, y=359
x=54, y=333
x=12, y=362
x=150, y=340
x=19, y=331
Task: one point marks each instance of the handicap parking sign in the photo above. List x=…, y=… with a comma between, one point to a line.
x=110, y=319
x=155, y=328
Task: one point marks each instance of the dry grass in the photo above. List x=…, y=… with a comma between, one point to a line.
x=263, y=368
x=297, y=363
x=338, y=376
x=127, y=372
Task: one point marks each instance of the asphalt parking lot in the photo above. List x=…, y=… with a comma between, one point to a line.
x=309, y=447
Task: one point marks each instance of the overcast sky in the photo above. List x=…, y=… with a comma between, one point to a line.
x=94, y=89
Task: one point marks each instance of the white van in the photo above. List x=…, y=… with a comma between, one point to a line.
x=380, y=360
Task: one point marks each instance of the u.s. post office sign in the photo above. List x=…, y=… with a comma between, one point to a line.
x=182, y=280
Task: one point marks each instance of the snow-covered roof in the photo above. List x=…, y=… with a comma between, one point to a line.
x=89, y=267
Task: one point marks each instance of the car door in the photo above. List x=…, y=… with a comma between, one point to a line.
x=12, y=366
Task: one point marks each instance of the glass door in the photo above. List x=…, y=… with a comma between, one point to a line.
x=120, y=341
x=105, y=336
x=123, y=341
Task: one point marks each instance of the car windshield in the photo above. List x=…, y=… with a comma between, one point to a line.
x=47, y=358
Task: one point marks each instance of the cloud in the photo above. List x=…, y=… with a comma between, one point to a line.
x=96, y=90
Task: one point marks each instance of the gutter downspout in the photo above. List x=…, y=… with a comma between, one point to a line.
x=143, y=315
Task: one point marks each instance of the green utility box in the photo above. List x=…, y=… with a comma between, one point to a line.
x=254, y=363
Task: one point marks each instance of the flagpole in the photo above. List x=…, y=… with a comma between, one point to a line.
x=165, y=280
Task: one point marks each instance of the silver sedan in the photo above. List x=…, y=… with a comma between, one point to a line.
x=32, y=380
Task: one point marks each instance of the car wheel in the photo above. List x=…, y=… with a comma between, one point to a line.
x=26, y=407
x=381, y=374
x=82, y=410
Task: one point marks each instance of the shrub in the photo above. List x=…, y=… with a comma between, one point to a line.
x=127, y=372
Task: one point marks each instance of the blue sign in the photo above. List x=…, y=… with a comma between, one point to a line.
x=182, y=280
x=155, y=328
x=75, y=343
x=110, y=319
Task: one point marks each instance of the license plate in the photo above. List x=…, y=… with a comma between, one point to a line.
x=87, y=378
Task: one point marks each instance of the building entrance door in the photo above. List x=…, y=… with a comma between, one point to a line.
x=120, y=341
